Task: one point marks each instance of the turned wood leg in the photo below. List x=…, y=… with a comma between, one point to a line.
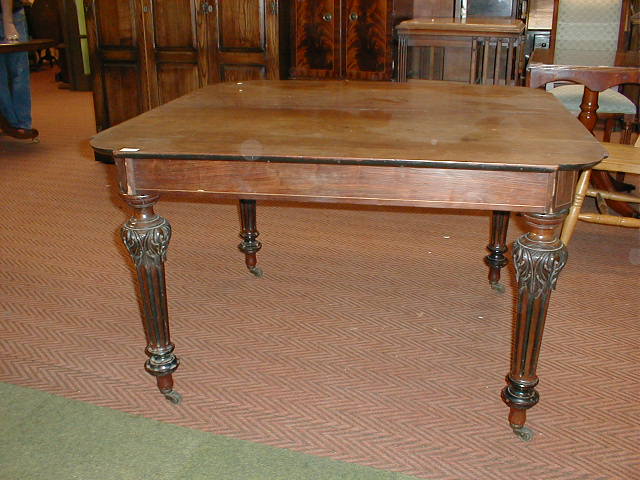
x=249, y=234
x=538, y=256
x=146, y=236
x=627, y=130
x=588, y=108
x=609, y=125
x=570, y=223
x=602, y=181
x=497, y=248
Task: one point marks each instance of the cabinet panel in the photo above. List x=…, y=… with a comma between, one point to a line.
x=172, y=60
x=121, y=87
x=345, y=38
x=115, y=22
x=172, y=23
x=114, y=38
x=241, y=25
x=147, y=52
x=239, y=73
x=244, y=36
x=368, y=39
x=176, y=80
x=316, y=38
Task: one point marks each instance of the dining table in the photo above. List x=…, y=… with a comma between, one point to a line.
x=427, y=144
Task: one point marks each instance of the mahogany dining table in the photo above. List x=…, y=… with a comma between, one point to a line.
x=421, y=144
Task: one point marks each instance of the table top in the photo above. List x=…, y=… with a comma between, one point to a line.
x=31, y=45
x=420, y=123
x=483, y=24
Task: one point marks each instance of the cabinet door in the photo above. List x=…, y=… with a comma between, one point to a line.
x=244, y=39
x=316, y=39
x=173, y=48
x=368, y=39
x=119, y=91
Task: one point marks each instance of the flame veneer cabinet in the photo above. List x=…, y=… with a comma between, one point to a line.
x=345, y=38
x=147, y=52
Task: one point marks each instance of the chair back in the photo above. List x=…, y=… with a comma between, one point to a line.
x=587, y=25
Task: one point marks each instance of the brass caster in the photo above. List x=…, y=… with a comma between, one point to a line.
x=257, y=271
x=524, y=433
x=35, y=140
x=498, y=287
x=173, y=396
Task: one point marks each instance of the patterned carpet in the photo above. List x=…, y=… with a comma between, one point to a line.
x=372, y=338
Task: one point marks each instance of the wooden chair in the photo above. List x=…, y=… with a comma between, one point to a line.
x=622, y=158
x=597, y=27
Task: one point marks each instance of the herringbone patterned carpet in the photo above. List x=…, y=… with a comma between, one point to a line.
x=372, y=338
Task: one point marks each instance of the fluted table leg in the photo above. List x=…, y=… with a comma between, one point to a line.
x=538, y=256
x=146, y=236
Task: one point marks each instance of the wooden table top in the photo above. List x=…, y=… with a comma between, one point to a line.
x=462, y=25
x=31, y=45
x=420, y=123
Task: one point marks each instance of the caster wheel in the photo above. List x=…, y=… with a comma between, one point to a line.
x=257, y=271
x=498, y=287
x=524, y=433
x=35, y=140
x=173, y=396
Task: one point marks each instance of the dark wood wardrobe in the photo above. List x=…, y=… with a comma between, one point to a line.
x=148, y=52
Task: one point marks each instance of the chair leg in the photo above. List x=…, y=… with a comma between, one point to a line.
x=602, y=180
x=627, y=130
x=571, y=220
x=609, y=125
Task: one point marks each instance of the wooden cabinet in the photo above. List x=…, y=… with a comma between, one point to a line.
x=344, y=38
x=148, y=52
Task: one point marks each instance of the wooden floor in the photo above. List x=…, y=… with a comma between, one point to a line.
x=372, y=338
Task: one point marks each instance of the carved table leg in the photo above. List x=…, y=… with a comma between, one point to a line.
x=146, y=236
x=249, y=234
x=497, y=246
x=539, y=256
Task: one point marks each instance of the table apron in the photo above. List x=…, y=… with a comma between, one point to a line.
x=359, y=184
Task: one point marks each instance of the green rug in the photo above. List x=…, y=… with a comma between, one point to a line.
x=50, y=437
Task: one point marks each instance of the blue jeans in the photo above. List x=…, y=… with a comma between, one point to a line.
x=15, y=87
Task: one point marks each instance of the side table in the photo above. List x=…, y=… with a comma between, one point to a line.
x=496, y=46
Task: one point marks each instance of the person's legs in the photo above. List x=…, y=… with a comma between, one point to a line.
x=20, y=78
x=6, y=102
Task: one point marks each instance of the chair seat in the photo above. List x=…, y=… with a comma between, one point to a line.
x=609, y=101
x=622, y=158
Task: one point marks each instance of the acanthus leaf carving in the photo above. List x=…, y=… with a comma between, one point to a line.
x=147, y=244
x=538, y=269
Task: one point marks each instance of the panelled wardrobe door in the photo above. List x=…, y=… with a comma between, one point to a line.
x=173, y=42
x=245, y=39
x=119, y=89
x=316, y=35
x=368, y=39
